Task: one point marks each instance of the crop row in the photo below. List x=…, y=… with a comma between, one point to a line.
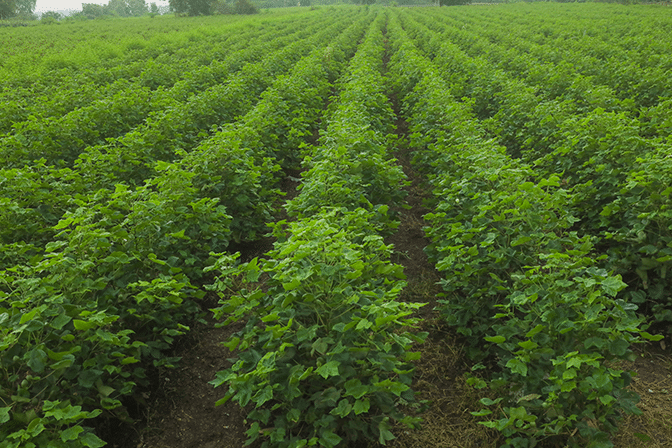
x=59, y=140
x=324, y=355
x=612, y=171
x=82, y=323
x=637, y=72
x=32, y=207
x=194, y=67
x=516, y=275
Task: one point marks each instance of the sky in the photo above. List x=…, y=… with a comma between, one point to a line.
x=60, y=5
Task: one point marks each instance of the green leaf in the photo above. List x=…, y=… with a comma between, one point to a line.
x=385, y=434
x=535, y=331
x=83, y=325
x=37, y=360
x=270, y=317
x=295, y=283
x=263, y=395
x=329, y=439
x=520, y=240
x=395, y=387
x=328, y=369
x=612, y=285
x=568, y=386
x=343, y=409
x=528, y=345
x=4, y=414
x=385, y=320
x=651, y=337
x=517, y=366
x=105, y=390
x=361, y=406
x=412, y=356
x=619, y=347
x=495, y=339
x=28, y=316
x=232, y=344
x=607, y=399
x=88, y=378
x=71, y=433
x=60, y=321
x=355, y=388
x=294, y=415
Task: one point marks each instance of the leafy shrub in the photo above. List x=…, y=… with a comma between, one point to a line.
x=322, y=357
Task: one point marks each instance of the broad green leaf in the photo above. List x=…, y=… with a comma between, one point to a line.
x=88, y=377
x=37, y=361
x=232, y=344
x=328, y=369
x=295, y=283
x=651, y=337
x=385, y=434
x=270, y=317
x=28, y=316
x=395, y=387
x=520, y=240
x=607, y=399
x=495, y=339
x=4, y=414
x=355, y=388
x=535, y=331
x=619, y=347
x=263, y=395
x=385, y=320
x=361, y=406
x=329, y=440
x=60, y=321
x=612, y=285
x=343, y=409
x=71, y=433
x=294, y=415
x=517, y=366
x=568, y=386
x=528, y=345
x=83, y=325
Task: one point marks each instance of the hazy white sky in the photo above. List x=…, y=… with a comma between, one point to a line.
x=56, y=5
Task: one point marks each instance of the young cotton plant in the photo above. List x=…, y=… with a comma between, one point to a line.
x=325, y=354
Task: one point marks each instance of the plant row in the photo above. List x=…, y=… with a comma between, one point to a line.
x=523, y=288
x=324, y=356
x=638, y=73
x=150, y=117
x=600, y=156
x=83, y=322
x=195, y=67
x=37, y=196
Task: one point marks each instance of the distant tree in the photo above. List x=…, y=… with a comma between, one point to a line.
x=7, y=9
x=245, y=7
x=453, y=2
x=93, y=10
x=25, y=7
x=153, y=8
x=51, y=15
x=223, y=8
x=127, y=8
x=192, y=7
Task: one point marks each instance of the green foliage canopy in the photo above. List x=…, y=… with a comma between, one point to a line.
x=7, y=9
x=192, y=7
